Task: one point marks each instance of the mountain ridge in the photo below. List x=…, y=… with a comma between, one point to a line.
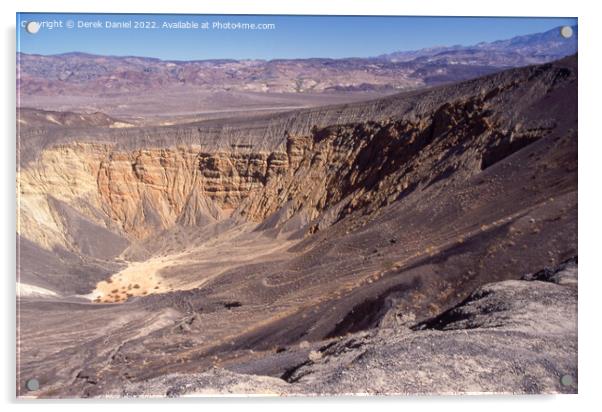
x=83, y=74
x=554, y=33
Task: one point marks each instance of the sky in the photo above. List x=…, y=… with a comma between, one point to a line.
x=285, y=37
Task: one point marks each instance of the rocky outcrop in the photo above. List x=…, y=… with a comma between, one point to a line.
x=507, y=337
x=215, y=382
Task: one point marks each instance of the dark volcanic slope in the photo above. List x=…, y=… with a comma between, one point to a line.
x=515, y=336
x=411, y=202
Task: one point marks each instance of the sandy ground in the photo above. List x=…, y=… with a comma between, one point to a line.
x=187, y=270
x=138, y=279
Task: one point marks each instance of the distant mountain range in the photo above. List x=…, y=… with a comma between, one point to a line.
x=81, y=74
x=517, y=51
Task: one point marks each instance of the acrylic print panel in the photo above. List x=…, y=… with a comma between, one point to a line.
x=295, y=205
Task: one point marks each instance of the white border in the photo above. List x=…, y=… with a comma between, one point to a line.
x=590, y=173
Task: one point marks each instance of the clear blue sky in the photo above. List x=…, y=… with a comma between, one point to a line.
x=293, y=37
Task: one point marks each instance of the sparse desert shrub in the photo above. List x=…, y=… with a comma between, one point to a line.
x=388, y=264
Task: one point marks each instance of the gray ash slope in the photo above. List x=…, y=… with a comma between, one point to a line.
x=420, y=200
x=515, y=336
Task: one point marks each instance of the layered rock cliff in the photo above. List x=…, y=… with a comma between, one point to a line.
x=138, y=193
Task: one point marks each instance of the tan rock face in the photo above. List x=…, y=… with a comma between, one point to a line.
x=138, y=192
x=146, y=190
x=67, y=173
